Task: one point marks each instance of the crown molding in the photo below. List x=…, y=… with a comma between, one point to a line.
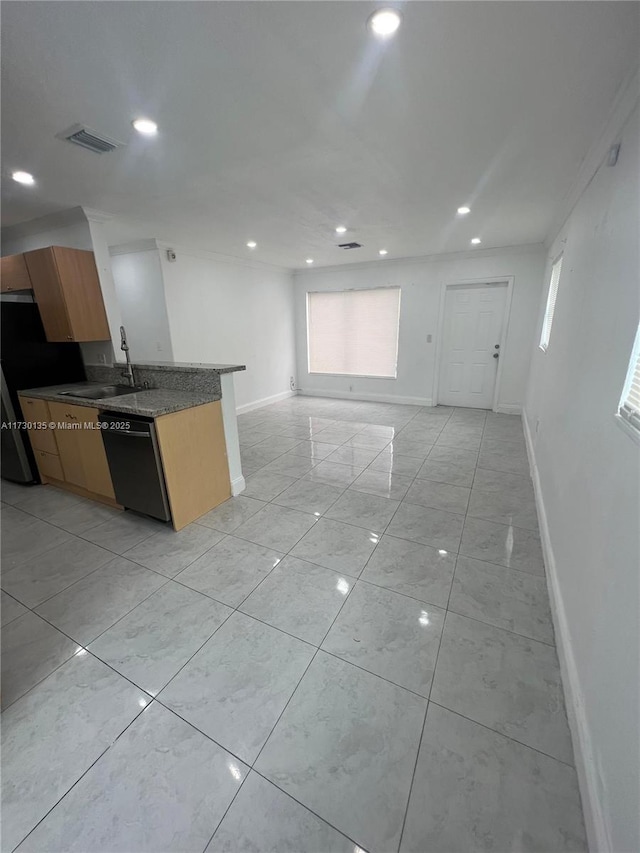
x=443, y=257
x=97, y=215
x=622, y=107
x=181, y=249
x=49, y=222
x=148, y=245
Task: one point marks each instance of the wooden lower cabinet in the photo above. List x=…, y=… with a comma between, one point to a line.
x=81, y=448
x=73, y=455
x=192, y=449
x=194, y=459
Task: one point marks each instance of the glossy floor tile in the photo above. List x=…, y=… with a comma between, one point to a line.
x=91, y=605
x=237, y=685
x=31, y=650
x=300, y=598
x=259, y=680
x=504, y=681
x=477, y=790
x=334, y=545
x=306, y=496
x=44, y=575
x=230, y=570
x=413, y=569
x=231, y=514
x=163, y=786
x=155, y=639
x=11, y=609
x=342, y=762
x=264, y=818
x=53, y=735
x=428, y=526
x=390, y=635
x=276, y=527
x=517, y=601
x=363, y=510
x=506, y=545
x=169, y=552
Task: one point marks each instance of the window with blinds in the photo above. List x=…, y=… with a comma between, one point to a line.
x=552, y=296
x=629, y=408
x=354, y=332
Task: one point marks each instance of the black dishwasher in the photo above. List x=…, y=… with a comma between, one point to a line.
x=135, y=464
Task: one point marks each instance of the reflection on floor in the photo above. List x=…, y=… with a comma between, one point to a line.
x=355, y=655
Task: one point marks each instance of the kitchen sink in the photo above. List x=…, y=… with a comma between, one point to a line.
x=101, y=392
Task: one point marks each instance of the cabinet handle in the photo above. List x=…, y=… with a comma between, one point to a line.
x=69, y=338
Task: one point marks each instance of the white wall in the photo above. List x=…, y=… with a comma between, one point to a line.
x=140, y=291
x=587, y=474
x=224, y=311
x=421, y=282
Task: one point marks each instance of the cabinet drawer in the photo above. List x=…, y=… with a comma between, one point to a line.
x=34, y=409
x=49, y=465
x=43, y=439
x=37, y=411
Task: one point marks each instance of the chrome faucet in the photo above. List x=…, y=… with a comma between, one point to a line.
x=124, y=346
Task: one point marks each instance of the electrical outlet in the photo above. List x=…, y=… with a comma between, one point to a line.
x=102, y=359
x=292, y=383
x=350, y=387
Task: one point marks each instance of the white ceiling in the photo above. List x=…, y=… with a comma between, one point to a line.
x=280, y=120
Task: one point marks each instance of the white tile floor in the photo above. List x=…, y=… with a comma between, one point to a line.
x=354, y=655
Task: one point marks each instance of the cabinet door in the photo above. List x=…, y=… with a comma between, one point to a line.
x=47, y=291
x=82, y=294
x=14, y=274
x=37, y=411
x=67, y=290
x=94, y=458
x=69, y=441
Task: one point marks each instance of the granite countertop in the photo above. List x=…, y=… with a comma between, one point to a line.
x=150, y=403
x=190, y=366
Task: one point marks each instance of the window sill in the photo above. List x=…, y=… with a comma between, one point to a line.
x=626, y=427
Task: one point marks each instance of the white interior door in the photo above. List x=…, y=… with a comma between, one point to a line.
x=472, y=332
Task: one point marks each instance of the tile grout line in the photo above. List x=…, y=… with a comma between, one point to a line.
x=318, y=648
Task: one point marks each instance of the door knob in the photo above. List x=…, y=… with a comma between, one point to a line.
x=495, y=355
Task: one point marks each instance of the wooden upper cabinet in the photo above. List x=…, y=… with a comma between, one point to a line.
x=14, y=274
x=67, y=291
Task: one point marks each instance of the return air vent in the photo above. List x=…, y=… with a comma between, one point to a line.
x=349, y=245
x=96, y=142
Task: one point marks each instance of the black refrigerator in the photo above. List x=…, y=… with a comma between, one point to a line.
x=28, y=361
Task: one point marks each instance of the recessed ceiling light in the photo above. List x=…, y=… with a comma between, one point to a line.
x=23, y=178
x=309, y=260
x=464, y=210
x=341, y=229
x=382, y=252
x=384, y=22
x=476, y=240
x=145, y=126
x=251, y=244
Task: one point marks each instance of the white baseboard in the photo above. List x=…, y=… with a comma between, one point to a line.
x=509, y=409
x=595, y=824
x=265, y=401
x=367, y=398
x=238, y=485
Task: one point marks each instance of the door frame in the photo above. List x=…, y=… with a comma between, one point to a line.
x=469, y=282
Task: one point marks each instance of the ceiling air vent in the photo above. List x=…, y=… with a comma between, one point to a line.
x=83, y=136
x=349, y=245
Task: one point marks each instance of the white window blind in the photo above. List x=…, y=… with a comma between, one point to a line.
x=629, y=408
x=552, y=296
x=354, y=332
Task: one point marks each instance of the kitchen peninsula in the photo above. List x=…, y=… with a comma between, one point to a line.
x=186, y=411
